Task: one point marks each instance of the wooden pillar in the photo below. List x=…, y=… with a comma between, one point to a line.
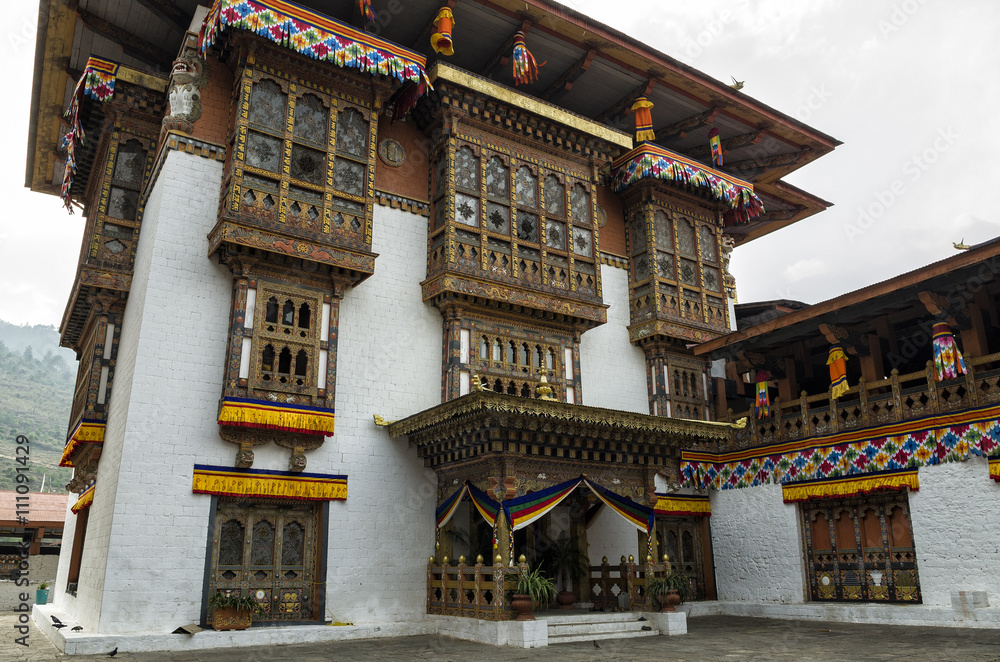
x=578, y=537
x=503, y=541
x=872, y=366
x=974, y=341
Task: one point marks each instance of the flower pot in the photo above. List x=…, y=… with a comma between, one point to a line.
x=41, y=596
x=230, y=618
x=523, y=605
x=669, y=602
x=565, y=599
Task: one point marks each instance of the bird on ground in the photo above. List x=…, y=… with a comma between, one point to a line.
x=114, y=652
x=596, y=645
x=55, y=620
x=646, y=628
x=59, y=626
x=737, y=84
x=642, y=618
x=77, y=628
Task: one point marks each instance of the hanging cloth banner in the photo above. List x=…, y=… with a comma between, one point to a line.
x=441, y=40
x=641, y=517
x=683, y=505
x=522, y=511
x=948, y=361
x=837, y=361
x=365, y=7
x=314, y=35
x=245, y=412
x=650, y=161
x=85, y=500
x=849, y=487
x=643, y=109
x=995, y=468
x=715, y=145
x=229, y=481
x=525, y=67
x=486, y=506
x=87, y=431
x=98, y=83
x=447, y=509
x=762, y=407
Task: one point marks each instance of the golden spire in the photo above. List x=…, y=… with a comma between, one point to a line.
x=543, y=391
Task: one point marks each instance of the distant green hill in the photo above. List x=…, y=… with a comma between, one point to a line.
x=36, y=392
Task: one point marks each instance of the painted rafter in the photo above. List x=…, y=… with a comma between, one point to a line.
x=735, y=142
x=681, y=127
x=626, y=101
x=131, y=44
x=564, y=83
x=169, y=13
x=766, y=163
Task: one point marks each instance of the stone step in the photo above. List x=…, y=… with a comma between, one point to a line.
x=595, y=627
x=589, y=617
x=568, y=639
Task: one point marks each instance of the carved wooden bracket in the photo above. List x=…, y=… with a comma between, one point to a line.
x=944, y=309
x=853, y=342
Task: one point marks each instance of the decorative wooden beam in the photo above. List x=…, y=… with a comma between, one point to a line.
x=131, y=44
x=735, y=142
x=780, y=214
x=767, y=162
x=169, y=13
x=626, y=101
x=564, y=83
x=756, y=361
x=428, y=28
x=681, y=127
x=853, y=342
x=943, y=309
x=503, y=54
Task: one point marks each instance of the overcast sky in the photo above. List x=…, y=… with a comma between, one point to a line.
x=910, y=87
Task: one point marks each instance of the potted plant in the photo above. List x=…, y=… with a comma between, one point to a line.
x=568, y=565
x=42, y=593
x=533, y=590
x=232, y=612
x=669, y=590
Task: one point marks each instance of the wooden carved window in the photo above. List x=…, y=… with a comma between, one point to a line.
x=663, y=229
x=303, y=158
x=709, y=249
x=126, y=180
x=286, y=339
x=861, y=550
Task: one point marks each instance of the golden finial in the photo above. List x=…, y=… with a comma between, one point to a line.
x=543, y=391
x=604, y=559
x=522, y=559
x=649, y=558
x=444, y=561
x=499, y=559
x=479, y=558
x=631, y=559
x=461, y=560
x=623, y=558
x=666, y=559
x=431, y=560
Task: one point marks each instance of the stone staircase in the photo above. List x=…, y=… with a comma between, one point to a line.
x=588, y=626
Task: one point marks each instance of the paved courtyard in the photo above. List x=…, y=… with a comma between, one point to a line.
x=709, y=638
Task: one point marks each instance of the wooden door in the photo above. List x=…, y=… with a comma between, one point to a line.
x=680, y=539
x=269, y=550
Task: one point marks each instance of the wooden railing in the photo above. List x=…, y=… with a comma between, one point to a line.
x=622, y=587
x=474, y=591
x=898, y=398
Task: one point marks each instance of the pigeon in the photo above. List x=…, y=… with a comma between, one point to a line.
x=646, y=628
x=642, y=618
x=59, y=626
x=77, y=628
x=114, y=652
x=596, y=645
x=55, y=620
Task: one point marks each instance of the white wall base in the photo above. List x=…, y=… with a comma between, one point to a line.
x=520, y=634
x=669, y=624
x=921, y=615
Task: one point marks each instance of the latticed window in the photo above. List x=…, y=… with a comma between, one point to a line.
x=302, y=158
x=286, y=339
x=126, y=180
x=516, y=213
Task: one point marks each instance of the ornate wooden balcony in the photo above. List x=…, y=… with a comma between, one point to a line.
x=898, y=398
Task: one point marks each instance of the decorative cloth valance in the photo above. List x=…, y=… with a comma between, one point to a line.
x=447, y=509
x=87, y=431
x=995, y=468
x=652, y=161
x=228, y=481
x=852, y=486
x=315, y=35
x=86, y=498
x=250, y=413
x=98, y=83
x=682, y=505
x=937, y=439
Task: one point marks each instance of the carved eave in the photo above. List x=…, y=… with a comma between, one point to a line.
x=545, y=308
x=486, y=422
x=663, y=331
x=516, y=114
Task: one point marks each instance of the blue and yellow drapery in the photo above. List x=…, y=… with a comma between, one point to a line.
x=246, y=412
x=233, y=482
x=851, y=486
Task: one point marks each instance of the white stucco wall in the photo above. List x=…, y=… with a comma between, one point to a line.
x=144, y=561
x=613, y=371
x=756, y=544
x=956, y=531
x=611, y=535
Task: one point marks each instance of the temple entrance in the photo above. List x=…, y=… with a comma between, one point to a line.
x=269, y=550
x=686, y=541
x=860, y=550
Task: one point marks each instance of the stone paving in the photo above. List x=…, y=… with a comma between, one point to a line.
x=709, y=638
